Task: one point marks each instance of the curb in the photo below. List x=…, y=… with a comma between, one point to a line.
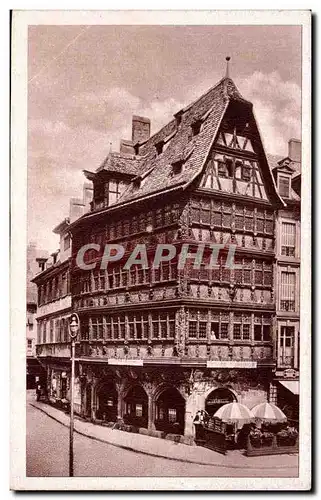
x=134, y=450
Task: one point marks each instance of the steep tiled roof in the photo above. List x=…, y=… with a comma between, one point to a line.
x=124, y=164
x=183, y=146
x=273, y=160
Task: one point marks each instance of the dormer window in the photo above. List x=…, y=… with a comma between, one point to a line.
x=196, y=127
x=284, y=183
x=177, y=167
x=159, y=147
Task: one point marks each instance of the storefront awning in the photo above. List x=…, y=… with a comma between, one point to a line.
x=291, y=385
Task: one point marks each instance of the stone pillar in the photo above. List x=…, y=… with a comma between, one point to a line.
x=120, y=404
x=151, y=416
x=193, y=403
x=93, y=402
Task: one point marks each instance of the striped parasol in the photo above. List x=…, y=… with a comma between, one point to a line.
x=268, y=412
x=235, y=413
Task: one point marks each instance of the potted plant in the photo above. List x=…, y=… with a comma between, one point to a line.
x=287, y=437
x=255, y=438
x=293, y=435
x=267, y=438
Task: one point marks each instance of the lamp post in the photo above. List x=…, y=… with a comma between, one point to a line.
x=74, y=324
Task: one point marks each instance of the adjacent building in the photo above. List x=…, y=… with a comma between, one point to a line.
x=35, y=262
x=287, y=175
x=54, y=306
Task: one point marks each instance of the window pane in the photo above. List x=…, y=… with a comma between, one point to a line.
x=224, y=330
x=246, y=331
x=202, y=329
x=215, y=330
x=192, y=332
x=257, y=332
x=237, y=331
x=284, y=186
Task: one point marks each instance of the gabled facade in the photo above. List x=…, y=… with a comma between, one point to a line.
x=287, y=174
x=36, y=260
x=159, y=343
x=54, y=307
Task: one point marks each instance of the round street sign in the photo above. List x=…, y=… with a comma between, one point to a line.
x=74, y=325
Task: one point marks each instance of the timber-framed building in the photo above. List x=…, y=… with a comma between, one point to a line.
x=158, y=344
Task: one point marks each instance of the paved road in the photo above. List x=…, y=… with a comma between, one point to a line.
x=47, y=455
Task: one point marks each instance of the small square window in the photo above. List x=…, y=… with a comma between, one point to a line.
x=246, y=173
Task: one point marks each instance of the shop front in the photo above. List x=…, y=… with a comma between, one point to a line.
x=107, y=400
x=136, y=407
x=170, y=412
x=217, y=398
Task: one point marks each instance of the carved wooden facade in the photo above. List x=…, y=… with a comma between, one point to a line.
x=210, y=185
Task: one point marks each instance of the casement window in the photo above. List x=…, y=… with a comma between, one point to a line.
x=44, y=332
x=192, y=329
x=138, y=326
x=249, y=220
x=51, y=331
x=286, y=343
x=287, y=292
x=163, y=325
x=288, y=235
x=97, y=328
x=262, y=328
x=241, y=327
x=165, y=272
x=284, y=183
x=225, y=168
x=246, y=173
x=29, y=343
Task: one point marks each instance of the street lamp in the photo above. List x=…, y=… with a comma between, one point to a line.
x=74, y=324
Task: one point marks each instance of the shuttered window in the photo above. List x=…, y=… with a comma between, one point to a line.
x=288, y=239
x=287, y=291
x=284, y=186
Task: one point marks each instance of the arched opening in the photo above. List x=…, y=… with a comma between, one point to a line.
x=136, y=407
x=107, y=399
x=218, y=398
x=170, y=412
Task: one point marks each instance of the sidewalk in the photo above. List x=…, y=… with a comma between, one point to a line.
x=156, y=447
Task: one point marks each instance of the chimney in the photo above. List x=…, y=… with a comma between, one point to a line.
x=140, y=129
x=126, y=147
x=295, y=150
x=88, y=191
x=76, y=209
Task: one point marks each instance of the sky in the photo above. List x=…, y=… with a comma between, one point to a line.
x=86, y=82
